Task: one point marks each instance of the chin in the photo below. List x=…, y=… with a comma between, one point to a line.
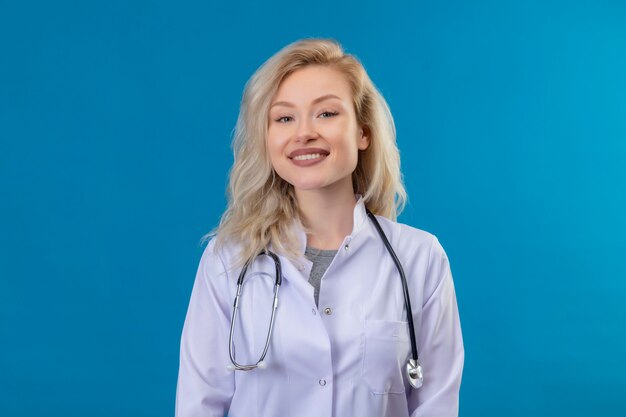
x=304, y=183
x=307, y=187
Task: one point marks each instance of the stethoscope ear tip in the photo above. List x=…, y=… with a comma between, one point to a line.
x=230, y=367
x=261, y=365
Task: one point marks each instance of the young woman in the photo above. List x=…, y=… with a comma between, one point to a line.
x=365, y=320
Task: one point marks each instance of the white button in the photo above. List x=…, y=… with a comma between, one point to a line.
x=322, y=382
x=328, y=311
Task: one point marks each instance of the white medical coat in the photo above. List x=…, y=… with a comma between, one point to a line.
x=346, y=358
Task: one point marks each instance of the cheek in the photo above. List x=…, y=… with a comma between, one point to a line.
x=345, y=142
x=274, y=145
x=275, y=152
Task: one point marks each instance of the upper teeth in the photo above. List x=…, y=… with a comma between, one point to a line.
x=307, y=156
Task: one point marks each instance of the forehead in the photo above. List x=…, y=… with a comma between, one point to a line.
x=306, y=84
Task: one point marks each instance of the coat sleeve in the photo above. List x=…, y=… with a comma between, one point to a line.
x=205, y=386
x=440, y=343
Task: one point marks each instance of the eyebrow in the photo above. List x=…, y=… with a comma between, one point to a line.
x=317, y=100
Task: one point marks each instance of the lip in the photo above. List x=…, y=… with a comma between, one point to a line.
x=306, y=151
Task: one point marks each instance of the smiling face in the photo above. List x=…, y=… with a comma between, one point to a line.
x=313, y=136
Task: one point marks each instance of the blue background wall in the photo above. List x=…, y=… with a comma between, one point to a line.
x=115, y=127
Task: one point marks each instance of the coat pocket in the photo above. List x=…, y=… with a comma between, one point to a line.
x=385, y=353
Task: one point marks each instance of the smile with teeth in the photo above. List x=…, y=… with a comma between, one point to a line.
x=308, y=156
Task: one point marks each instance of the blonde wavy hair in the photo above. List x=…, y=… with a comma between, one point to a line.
x=262, y=206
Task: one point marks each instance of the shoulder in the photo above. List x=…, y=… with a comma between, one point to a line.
x=420, y=252
x=416, y=246
x=217, y=260
x=409, y=237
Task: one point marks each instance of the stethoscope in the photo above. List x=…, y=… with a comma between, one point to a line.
x=414, y=370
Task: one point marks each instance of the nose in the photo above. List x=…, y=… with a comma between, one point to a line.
x=305, y=131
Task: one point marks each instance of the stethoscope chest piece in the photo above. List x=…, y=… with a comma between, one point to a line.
x=414, y=373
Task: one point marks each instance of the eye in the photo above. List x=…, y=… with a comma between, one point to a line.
x=283, y=119
x=328, y=114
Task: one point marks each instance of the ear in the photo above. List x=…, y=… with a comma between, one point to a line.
x=364, y=138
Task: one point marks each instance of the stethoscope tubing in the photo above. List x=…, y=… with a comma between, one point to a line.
x=277, y=283
x=405, y=286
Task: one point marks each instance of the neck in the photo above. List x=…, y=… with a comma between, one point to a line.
x=328, y=215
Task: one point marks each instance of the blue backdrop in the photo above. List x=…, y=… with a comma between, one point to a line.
x=115, y=127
